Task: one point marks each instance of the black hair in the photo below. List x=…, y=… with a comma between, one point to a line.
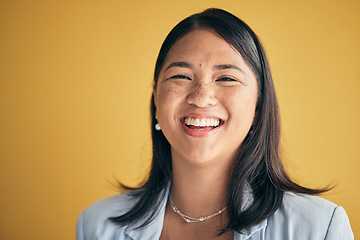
x=257, y=163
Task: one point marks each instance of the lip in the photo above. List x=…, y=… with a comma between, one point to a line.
x=201, y=132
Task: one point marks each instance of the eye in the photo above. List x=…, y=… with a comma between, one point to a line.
x=226, y=79
x=180, y=77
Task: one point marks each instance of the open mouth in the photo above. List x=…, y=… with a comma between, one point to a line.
x=202, y=124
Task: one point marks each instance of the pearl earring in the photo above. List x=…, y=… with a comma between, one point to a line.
x=157, y=127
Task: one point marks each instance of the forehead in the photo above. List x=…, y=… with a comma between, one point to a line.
x=205, y=45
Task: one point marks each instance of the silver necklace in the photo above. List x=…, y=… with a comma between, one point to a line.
x=191, y=219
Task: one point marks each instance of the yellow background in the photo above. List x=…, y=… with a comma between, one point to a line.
x=75, y=83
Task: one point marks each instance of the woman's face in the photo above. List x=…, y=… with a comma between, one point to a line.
x=205, y=98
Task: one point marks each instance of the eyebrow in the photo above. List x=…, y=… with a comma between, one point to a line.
x=228, y=66
x=179, y=64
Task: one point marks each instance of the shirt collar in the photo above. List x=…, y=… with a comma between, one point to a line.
x=246, y=234
x=154, y=228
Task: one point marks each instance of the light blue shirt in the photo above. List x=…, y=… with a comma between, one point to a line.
x=300, y=217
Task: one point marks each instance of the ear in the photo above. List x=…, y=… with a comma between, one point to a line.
x=154, y=95
x=255, y=117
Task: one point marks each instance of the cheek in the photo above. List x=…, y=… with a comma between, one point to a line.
x=167, y=97
x=240, y=103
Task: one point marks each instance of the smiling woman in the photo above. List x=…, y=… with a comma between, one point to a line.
x=216, y=171
x=222, y=91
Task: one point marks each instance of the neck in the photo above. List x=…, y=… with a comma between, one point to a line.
x=199, y=189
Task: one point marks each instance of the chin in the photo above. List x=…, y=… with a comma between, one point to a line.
x=203, y=159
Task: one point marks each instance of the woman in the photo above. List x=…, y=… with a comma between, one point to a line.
x=216, y=171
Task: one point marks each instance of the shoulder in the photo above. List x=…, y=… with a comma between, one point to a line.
x=304, y=205
x=309, y=217
x=94, y=220
x=111, y=206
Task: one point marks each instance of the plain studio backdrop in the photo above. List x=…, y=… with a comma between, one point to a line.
x=75, y=85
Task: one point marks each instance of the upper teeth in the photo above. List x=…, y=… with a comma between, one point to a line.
x=202, y=122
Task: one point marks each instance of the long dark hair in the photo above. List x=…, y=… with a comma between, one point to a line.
x=257, y=164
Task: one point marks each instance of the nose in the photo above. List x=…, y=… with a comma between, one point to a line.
x=202, y=95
